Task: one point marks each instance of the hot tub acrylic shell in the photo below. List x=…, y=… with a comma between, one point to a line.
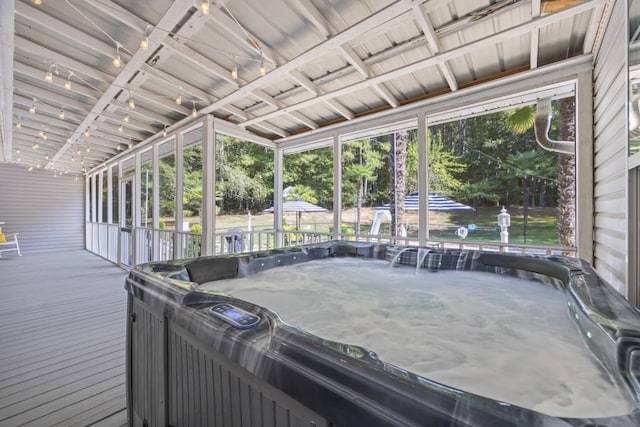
x=186, y=367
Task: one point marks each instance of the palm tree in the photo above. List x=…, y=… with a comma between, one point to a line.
x=521, y=121
x=398, y=169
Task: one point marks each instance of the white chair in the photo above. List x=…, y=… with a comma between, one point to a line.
x=10, y=245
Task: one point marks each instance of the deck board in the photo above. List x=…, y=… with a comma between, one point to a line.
x=62, y=340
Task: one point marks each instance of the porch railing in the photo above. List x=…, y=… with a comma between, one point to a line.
x=131, y=246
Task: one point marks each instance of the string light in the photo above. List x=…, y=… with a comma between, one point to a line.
x=48, y=77
x=67, y=84
x=144, y=43
x=234, y=71
x=132, y=103
x=117, y=62
x=204, y=7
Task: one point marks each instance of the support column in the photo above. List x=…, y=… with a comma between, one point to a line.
x=584, y=166
x=155, y=196
x=337, y=186
x=136, y=208
x=109, y=195
x=278, y=160
x=208, y=186
x=177, y=241
x=100, y=202
x=423, y=180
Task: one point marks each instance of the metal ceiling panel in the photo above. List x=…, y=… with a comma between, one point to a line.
x=325, y=61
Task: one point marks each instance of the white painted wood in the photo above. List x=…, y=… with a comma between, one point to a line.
x=48, y=213
x=7, y=9
x=610, y=139
x=277, y=196
x=423, y=180
x=422, y=64
x=208, y=186
x=584, y=169
x=337, y=186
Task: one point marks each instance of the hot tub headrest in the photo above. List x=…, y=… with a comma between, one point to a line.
x=208, y=269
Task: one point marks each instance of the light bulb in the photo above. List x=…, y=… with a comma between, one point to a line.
x=144, y=43
x=120, y=129
x=78, y=152
x=234, y=72
x=194, y=113
x=46, y=157
x=263, y=69
x=117, y=62
x=86, y=133
x=73, y=159
x=44, y=136
x=119, y=148
x=41, y=133
x=132, y=104
x=35, y=146
x=179, y=100
x=19, y=125
x=164, y=131
x=204, y=7
x=30, y=168
x=61, y=114
x=48, y=77
x=88, y=149
x=67, y=84
x=32, y=109
x=130, y=144
x=76, y=177
x=36, y=2
x=18, y=160
x=126, y=118
x=18, y=151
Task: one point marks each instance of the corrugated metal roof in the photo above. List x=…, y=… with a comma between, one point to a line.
x=326, y=61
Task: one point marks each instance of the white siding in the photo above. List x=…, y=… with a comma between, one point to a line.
x=610, y=152
x=47, y=212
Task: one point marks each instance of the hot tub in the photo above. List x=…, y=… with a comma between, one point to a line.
x=348, y=334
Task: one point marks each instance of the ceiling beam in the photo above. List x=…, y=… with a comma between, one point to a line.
x=229, y=26
x=434, y=43
x=170, y=19
x=368, y=24
x=441, y=57
x=73, y=35
x=78, y=68
x=201, y=61
x=535, y=35
x=315, y=18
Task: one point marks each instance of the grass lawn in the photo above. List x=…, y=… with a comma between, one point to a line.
x=541, y=224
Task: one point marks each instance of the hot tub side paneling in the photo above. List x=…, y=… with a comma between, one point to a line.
x=176, y=377
x=187, y=368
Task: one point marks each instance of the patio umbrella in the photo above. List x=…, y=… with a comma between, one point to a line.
x=436, y=202
x=298, y=206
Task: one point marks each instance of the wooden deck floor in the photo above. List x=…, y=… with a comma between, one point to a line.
x=62, y=340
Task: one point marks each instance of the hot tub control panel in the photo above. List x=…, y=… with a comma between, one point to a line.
x=235, y=316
